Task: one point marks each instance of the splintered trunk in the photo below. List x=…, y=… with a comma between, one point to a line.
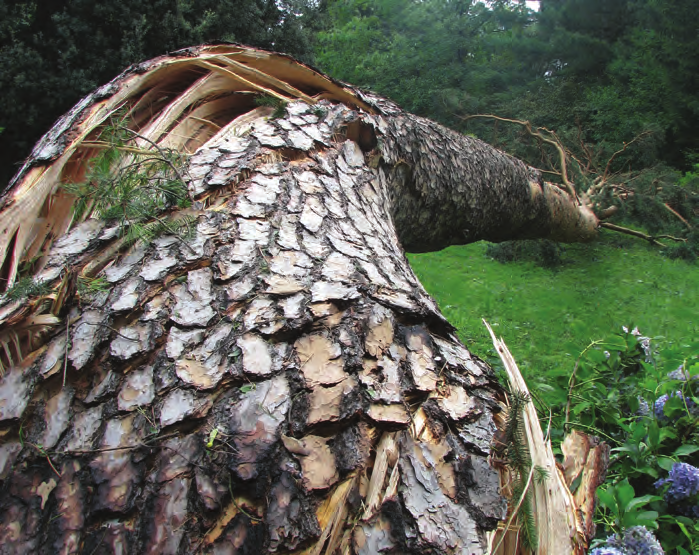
x=278, y=381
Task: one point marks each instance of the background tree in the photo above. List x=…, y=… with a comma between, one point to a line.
x=53, y=53
x=427, y=56
x=607, y=78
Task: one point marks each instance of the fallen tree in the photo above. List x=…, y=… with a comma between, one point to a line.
x=212, y=340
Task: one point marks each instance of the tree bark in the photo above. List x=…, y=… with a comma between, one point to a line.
x=282, y=383
x=452, y=189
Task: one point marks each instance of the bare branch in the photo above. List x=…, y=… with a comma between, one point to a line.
x=679, y=216
x=650, y=238
x=589, y=155
x=548, y=171
x=671, y=238
x=609, y=162
x=607, y=212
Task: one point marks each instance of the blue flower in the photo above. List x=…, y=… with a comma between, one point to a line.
x=683, y=480
x=680, y=374
x=643, y=408
x=660, y=404
x=606, y=551
x=637, y=540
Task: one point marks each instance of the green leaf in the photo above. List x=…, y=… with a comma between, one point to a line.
x=640, y=501
x=645, y=518
x=666, y=432
x=596, y=356
x=653, y=435
x=683, y=520
x=649, y=470
x=665, y=463
x=606, y=499
x=674, y=407
x=247, y=388
x=625, y=493
x=684, y=450
x=639, y=432
x=615, y=343
x=694, y=370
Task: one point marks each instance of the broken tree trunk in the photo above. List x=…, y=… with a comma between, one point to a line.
x=279, y=381
x=564, y=521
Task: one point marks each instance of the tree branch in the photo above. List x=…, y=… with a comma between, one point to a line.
x=609, y=162
x=685, y=222
x=554, y=143
x=650, y=238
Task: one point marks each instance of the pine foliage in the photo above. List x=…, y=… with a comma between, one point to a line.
x=132, y=186
x=26, y=287
x=520, y=463
x=273, y=102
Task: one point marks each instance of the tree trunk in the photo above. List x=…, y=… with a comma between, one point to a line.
x=279, y=382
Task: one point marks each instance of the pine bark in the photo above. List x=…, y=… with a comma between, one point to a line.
x=281, y=383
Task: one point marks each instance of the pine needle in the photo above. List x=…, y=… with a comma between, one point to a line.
x=132, y=185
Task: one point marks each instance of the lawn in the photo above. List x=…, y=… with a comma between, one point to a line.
x=548, y=316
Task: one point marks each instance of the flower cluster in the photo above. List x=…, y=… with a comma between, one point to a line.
x=680, y=374
x=606, y=551
x=637, y=540
x=659, y=405
x=643, y=340
x=683, y=480
x=643, y=408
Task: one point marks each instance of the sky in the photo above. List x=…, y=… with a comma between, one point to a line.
x=533, y=5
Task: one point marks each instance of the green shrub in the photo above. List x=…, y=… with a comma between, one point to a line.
x=688, y=251
x=644, y=404
x=542, y=252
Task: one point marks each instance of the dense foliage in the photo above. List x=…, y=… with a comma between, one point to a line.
x=644, y=403
x=53, y=53
x=614, y=81
x=597, y=71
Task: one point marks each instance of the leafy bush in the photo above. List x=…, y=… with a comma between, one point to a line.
x=688, y=251
x=645, y=404
x=544, y=253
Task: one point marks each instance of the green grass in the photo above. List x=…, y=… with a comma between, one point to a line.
x=548, y=316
